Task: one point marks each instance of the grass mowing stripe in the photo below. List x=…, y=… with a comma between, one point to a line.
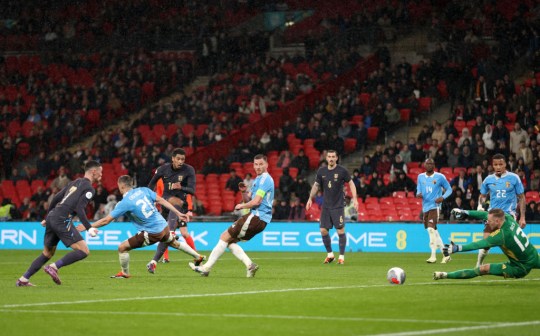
x=284, y=317
x=284, y=290
x=451, y=330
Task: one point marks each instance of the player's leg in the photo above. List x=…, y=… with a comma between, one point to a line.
x=184, y=247
x=325, y=225
x=46, y=255
x=72, y=238
x=123, y=257
x=172, y=222
x=253, y=227
x=438, y=240
x=338, y=221
x=185, y=233
x=429, y=224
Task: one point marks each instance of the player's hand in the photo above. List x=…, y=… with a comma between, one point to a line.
x=182, y=217
x=439, y=200
x=451, y=248
x=80, y=228
x=480, y=207
x=176, y=185
x=522, y=222
x=189, y=215
x=43, y=223
x=355, y=203
x=239, y=206
x=419, y=195
x=308, y=204
x=459, y=213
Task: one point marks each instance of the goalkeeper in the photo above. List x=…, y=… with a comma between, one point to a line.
x=522, y=256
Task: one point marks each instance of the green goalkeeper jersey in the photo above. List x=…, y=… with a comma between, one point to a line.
x=510, y=238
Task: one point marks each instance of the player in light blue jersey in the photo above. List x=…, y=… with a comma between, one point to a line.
x=259, y=200
x=138, y=205
x=430, y=187
x=505, y=192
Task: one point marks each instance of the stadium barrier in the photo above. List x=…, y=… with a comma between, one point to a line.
x=280, y=236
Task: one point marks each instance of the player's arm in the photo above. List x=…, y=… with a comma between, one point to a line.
x=154, y=180
x=256, y=201
x=495, y=239
x=80, y=208
x=190, y=187
x=447, y=191
x=481, y=200
x=103, y=221
x=352, y=186
x=312, y=194
x=418, y=188
x=171, y=207
x=522, y=206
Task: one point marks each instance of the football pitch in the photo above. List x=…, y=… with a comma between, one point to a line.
x=292, y=294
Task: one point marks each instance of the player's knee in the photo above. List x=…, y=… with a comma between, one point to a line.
x=177, y=202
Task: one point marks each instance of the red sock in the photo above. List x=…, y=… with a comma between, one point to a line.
x=166, y=254
x=190, y=242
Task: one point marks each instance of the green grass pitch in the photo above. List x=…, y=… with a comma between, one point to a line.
x=292, y=294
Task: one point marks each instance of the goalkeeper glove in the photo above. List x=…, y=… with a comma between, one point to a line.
x=451, y=248
x=459, y=213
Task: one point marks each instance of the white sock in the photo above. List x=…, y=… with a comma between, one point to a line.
x=432, y=239
x=341, y=257
x=330, y=255
x=218, y=250
x=184, y=247
x=240, y=254
x=23, y=279
x=482, y=253
x=438, y=240
x=124, y=262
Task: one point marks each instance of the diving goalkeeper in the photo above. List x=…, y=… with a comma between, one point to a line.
x=522, y=256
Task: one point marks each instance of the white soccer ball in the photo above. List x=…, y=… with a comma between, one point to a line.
x=396, y=276
x=92, y=231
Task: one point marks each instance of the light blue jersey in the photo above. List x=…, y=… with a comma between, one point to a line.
x=431, y=188
x=138, y=205
x=264, y=187
x=503, y=191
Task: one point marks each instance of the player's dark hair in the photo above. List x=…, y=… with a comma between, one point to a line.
x=499, y=157
x=261, y=157
x=178, y=151
x=126, y=180
x=91, y=164
x=332, y=151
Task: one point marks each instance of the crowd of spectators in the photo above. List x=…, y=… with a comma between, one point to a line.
x=253, y=85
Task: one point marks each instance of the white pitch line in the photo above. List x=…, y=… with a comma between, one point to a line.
x=459, y=329
x=266, y=291
x=259, y=316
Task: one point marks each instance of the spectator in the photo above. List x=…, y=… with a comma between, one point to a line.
x=439, y=133
x=8, y=211
x=525, y=153
x=379, y=190
x=345, y=130
x=298, y=211
x=301, y=189
x=286, y=183
x=398, y=166
x=61, y=180
x=530, y=212
x=383, y=166
x=367, y=166
x=465, y=135
x=301, y=162
x=281, y=210
x=461, y=181
x=285, y=159
x=516, y=136
x=361, y=135
x=392, y=115
x=248, y=181
x=363, y=189
x=233, y=181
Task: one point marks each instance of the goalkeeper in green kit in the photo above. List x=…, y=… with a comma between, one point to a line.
x=522, y=256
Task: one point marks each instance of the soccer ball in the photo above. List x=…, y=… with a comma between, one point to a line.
x=396, y=276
